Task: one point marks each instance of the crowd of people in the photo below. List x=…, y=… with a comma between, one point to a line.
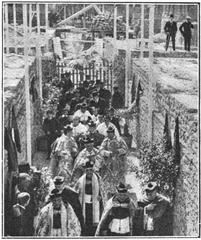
x=87, y=194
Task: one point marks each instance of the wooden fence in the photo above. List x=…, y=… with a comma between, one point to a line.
x=104, y=73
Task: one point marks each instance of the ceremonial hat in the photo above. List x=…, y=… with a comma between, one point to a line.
x=151, y=186
x=24, y=167
x=89, y=164
x=23, y=197
x=91, y=124
x=58, y=180
x=84, y=105
x=55, y=193
x=87, y=139
x=110, y=129
x=121, y=188
x=67, y=129
x=111, y=109
x=188, y=17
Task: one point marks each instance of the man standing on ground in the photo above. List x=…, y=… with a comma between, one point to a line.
x=185, y=30
x=170, y=30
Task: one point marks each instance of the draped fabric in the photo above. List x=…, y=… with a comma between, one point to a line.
x=70, y=225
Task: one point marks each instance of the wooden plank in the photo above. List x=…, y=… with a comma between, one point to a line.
x=27, y=94
x=142, y=32
x=127, y=56
x=7, y=29
x=46, y=26
x=14, y=24
x=151, y=79
x=38, y=52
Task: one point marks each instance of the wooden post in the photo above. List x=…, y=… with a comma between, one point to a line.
x=64, y=11
x=46, y=26
x=127, y=56
x=142, y=32
x=115, y=22
x=30, y=18
x=28, y=106
x=7, y=29
x=151, y=79
x=38, y=52
x=15, y=29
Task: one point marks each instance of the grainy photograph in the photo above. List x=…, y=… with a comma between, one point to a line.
x=100, y=112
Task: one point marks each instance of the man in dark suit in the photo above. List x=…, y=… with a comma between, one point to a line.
x=117, y=99
x=52, y=129
x=171, y=30
x=185, y=30
x=103, y=93
x=97, y=102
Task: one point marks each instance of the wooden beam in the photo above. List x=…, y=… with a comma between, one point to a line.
x=38, y=52
x=28, y=106
x=128, y=57
x=79, y=13
x=46, y=26
x=142, y=31
x=14, y=24
x=65, y=12
x=151, y=79
x=6, y=40
x=115, y=22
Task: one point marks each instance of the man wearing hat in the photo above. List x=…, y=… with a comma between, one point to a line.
x=103, y=127
x=89, y=153
x=76, y=100
x=89, y=190
x=113, y=119
x=64, y=151
x=69, y=195
x=19, y=219
x=185, y=30
x=170, y=30
x=57, y=219
x=51, y=128
x=94, y=134
x=64, y=119
x=117, y=218
x=83, y=113
x=116, y=149
x=117, y=99
x=156, y=213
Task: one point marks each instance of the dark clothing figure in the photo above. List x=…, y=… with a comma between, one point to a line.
x=161, y=215
x=185, y=30
x=117, y=100
x=74, y=103
x=70, y=196
x=171, y=30
x=115, y=121
x=106, y=95
x=51, y=128
x=64, y=120
x=100, y=104
x=18, y=221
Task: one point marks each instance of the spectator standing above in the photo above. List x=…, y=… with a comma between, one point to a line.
x=185, y=30
x=170, y=30
x=117, y=99
x=97, y=102
x=51, y=128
